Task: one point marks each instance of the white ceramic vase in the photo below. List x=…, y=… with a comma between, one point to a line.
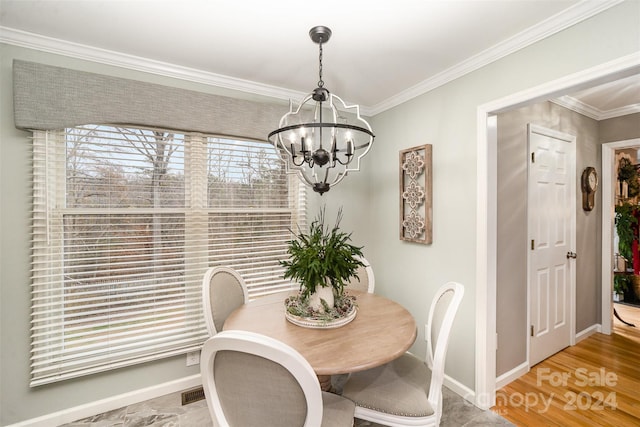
x=322, y=293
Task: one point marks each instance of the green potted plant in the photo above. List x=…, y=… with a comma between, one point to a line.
x=621, y=284
x=322, y=261
x=628, y=173
x=626, y=222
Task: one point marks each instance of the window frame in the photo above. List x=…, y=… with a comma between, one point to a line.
x=48, y=228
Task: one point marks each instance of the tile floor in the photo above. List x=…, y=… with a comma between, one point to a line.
x=167, y=411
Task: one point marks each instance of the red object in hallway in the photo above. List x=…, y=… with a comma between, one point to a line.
x=635, y=227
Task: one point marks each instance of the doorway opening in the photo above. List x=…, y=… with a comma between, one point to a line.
x=486, y=208
x=608, y=225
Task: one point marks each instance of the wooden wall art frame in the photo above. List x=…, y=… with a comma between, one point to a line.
x=416, y=194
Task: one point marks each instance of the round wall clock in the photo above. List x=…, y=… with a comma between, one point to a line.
x=589, y=187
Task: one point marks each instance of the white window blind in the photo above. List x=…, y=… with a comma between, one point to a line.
x=125, y=223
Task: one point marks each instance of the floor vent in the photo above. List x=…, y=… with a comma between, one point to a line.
x=192, y=395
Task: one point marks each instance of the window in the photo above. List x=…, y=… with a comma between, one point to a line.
x=125, y=223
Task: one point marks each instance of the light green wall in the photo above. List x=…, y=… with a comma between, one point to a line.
x=446, y=118
x=408, y=273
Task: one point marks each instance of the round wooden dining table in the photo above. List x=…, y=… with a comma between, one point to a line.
x=381, y=331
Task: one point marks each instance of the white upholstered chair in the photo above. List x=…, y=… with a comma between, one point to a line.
x=365, y=281
x=251, y=380
x=223, y=290
x=408, y=391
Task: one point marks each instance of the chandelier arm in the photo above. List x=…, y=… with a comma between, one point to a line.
x=349, y=158
x=293, y=160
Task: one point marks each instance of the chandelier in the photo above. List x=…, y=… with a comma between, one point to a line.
x=322, y=138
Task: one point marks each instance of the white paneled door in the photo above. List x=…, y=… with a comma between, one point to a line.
x=551, y=261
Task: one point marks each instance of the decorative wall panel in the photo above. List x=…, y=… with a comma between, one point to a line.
x=416, y=194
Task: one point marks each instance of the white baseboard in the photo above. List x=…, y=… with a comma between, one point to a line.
x=523, y=368
x=459, y=388
x=512, y=375
x=114, y=402
x=586, y=333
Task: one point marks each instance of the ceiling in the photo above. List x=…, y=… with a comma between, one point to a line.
x=381, y=53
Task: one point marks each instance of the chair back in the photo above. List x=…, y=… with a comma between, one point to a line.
x=223, y=290
x=250, y=379
x=443, y=310
x=365, y=281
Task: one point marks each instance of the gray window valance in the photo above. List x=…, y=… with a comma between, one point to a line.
x=48, y=97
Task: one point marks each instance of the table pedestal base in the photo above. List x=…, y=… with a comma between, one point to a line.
x=325, y=382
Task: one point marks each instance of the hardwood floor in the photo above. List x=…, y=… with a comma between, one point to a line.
x=594, y=383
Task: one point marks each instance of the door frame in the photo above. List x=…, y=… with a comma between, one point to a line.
x=571, y=309
x=486, y=205
x=608, y=223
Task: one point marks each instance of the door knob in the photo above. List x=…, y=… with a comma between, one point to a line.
x=572, y=255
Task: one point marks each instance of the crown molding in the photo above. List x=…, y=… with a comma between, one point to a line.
x=565, y=19
x=593, y=112
x=559, y=22
x=108, y=57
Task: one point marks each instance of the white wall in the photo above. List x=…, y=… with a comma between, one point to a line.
x=408, y=273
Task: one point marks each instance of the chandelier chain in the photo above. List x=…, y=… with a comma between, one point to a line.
x=320, y=82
